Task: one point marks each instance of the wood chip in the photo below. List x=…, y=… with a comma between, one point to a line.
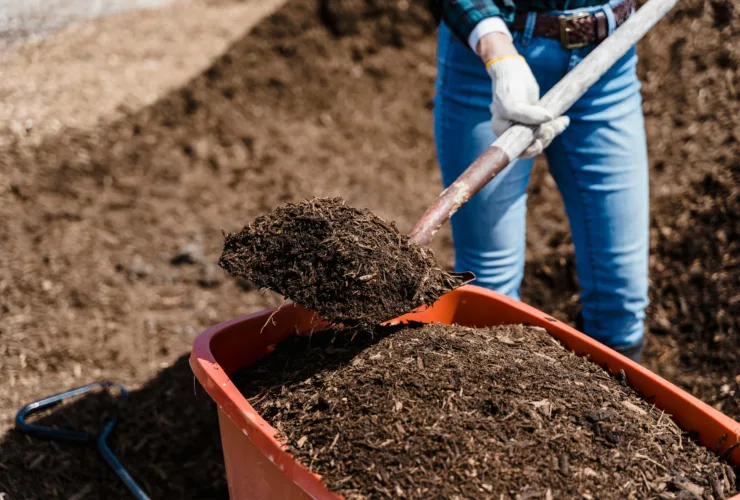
x=693, y=488
x=563, y=464
x=718, y=489
x=589, y=472
x=334, y=443
x=633, y=407
x=544, y=407
x=638, y=455
x=505, y=339
x=82, y=493
x=36, y=461
x=545, y=356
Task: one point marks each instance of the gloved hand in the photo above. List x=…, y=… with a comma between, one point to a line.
x=515, y=96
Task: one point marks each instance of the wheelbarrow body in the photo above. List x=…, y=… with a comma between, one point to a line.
x=259, y=467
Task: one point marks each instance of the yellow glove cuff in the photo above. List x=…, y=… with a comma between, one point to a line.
x=497, y=59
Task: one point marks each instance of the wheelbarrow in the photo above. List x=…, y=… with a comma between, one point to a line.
x=258, y=465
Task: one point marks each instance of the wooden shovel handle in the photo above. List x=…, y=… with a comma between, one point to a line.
x=478, y=174
x=558, y=100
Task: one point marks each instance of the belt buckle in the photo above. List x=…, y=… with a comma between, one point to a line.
x=566, y=30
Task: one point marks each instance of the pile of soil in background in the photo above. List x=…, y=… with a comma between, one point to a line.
x=110, y=238
x=435, y=411
x=167, y=438
x=347, y=265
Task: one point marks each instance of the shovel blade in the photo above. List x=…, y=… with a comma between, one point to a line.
x=464, y=278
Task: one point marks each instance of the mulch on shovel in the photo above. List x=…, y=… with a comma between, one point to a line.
x=452, y=412
x=348, y=265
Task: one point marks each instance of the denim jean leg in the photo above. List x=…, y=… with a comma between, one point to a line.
x=600, y=166
x=489, y=231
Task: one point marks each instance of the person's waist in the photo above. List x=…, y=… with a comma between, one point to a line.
x=563, y=7
x=574, y=27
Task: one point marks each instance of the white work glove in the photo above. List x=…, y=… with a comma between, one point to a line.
x=515, y=96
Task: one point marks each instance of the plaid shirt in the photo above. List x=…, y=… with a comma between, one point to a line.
x=461, y=16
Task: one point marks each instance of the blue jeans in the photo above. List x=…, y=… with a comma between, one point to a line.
x=599, y=164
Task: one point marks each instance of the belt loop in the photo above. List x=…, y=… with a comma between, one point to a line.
x=611, y=21
x=528, y=29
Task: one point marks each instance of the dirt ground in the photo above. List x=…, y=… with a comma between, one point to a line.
x=111, y=233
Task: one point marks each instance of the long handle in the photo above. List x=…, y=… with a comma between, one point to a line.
x=516, y=139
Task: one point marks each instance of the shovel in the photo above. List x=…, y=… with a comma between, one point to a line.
x=248, y=255
x=516, y=139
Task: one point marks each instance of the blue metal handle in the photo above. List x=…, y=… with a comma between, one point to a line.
x=45, y=432
x=114, y=464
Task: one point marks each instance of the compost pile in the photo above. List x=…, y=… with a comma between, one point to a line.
x=434, y=411
x=348, y=265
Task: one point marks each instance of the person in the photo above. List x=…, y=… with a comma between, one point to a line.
x=494, y=59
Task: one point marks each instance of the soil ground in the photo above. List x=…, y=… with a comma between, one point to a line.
x=436, y=411
x=111, y=226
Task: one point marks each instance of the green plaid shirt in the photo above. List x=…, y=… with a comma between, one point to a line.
x=461, y=16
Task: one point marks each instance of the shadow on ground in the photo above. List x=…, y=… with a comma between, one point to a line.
x=168, y=439
x=328, y=115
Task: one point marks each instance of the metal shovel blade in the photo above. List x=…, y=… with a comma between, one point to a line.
x=464, y=278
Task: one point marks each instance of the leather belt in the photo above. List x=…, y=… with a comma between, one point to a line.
x=576, y=30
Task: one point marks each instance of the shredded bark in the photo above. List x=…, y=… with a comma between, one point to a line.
x=347, y=265
x=442, y=411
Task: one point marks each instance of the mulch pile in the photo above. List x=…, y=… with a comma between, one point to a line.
x=347, y=265
x=435, y=411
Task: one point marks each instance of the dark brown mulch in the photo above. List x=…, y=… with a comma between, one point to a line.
x=348, y=265
x=452, y=412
